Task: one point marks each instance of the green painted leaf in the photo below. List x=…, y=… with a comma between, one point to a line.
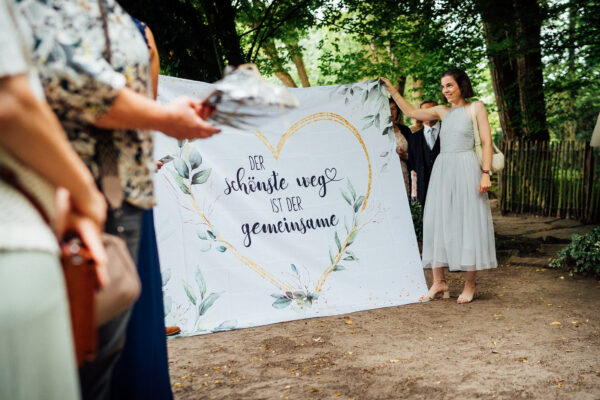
x=207, y=303
x=181, y=167
x=359, y=202
x=189, y=292
x=281, y=303
x=194, y=158
x=165, y=276
x=211, y=235
x=364, y=97
x=351, y=189
x=167, y=305
x=339, y=268
x=294, y=268
x=222, y=249
x=201, y=235
x=201, y=176
x=376, y=119
x=351, y=254
x=200, y=282
x=384, y=167
x=330, y=256
x=337, y=241
x=351, y=238
x=368, y=125
x=179, y=180
x=299, y=295
x=226, y=325
x=346, y=197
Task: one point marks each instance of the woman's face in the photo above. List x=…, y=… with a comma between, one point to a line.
x=450, y=89
x=393, y=111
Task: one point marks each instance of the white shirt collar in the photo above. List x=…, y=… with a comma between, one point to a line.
x=433, y=128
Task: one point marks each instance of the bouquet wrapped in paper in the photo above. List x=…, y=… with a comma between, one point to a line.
x=242, y=97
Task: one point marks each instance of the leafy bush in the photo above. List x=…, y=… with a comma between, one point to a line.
x=581, y=256
x=416, y=210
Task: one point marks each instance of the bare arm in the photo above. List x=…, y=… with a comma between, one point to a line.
x=179, y=119
x=154, y=61
x=32, y=133
x=429, y=114
x=485, y=134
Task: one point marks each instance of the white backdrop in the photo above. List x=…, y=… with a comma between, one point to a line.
x=304, y=216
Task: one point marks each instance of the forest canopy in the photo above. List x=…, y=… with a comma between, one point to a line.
x=535, y=64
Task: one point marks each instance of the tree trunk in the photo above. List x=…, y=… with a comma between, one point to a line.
x=280, y=71
x=296, y=53
x=221, y=22
x=530, y=69
x=498, y=24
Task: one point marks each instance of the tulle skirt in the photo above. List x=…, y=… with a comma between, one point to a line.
x=458, y=232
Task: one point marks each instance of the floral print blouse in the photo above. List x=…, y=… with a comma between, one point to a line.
x=81, y=85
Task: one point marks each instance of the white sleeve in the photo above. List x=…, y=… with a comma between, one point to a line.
x=12, y=61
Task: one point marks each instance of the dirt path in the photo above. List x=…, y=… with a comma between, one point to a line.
x=532, y=333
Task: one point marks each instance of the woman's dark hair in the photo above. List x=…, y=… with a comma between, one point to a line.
x=398, y=112
x=462, y=80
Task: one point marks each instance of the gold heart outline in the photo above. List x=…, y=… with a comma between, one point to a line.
x=324, y=116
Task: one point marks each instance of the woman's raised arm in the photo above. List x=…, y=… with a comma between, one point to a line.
x=428, y=114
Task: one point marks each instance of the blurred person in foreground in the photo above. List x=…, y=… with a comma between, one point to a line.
x=37, y=359
x=94, y=67
x=142, y=371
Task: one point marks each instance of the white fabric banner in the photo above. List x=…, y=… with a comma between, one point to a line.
x=304, y=216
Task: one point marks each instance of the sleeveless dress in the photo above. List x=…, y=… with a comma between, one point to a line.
x=457, y=221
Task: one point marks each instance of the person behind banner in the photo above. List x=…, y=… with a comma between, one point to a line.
x=402, y=134
x=423, y=149
x=457, y=222
x=45, y=189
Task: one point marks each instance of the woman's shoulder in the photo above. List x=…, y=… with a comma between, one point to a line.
x=477, y=104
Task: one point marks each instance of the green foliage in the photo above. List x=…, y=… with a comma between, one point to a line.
x=571, y=45
x=416, y=210
x=581, y=256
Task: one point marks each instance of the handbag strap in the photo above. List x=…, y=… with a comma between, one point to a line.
x=475, y=126
x=110, y=182
x=10, y=178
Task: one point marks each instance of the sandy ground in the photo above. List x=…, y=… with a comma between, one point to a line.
x=532, y=333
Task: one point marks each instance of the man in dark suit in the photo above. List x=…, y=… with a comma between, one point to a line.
x=423, y=148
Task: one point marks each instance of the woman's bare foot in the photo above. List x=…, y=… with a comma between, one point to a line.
x=468, y=293
x=436, y=288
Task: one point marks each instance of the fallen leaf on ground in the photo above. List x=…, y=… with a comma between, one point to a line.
x=555, y=323
x=353, y=332
x=395, y=360
x=318, y=339
x=349, y=322
x=569, y=351
x=495, y=352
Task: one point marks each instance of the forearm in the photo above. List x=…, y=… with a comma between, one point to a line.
x=132, y=110
x=33, y=134
x=486, y=163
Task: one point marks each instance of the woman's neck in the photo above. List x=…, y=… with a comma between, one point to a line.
x=459, y=103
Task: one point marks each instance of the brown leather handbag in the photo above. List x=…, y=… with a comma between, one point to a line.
x=81, y=279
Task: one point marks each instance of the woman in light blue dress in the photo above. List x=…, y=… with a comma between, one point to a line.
x=457, y=222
